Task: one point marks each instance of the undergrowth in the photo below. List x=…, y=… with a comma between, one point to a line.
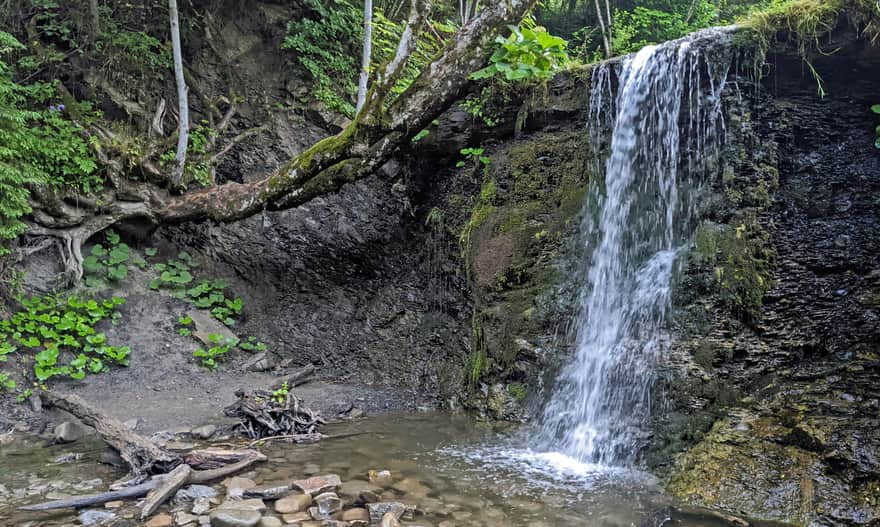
x=804, y=23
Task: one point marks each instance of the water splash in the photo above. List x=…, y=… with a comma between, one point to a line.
x=667, y=128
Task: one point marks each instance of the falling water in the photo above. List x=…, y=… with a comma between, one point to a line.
x=667, y=128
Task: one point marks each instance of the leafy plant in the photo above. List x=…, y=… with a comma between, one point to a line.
x=221, y=346
x=280, y=395
x=108, y=263
x=174, y=275
x=24, y=395
x=528, y=54
x=60, y=333
x=6, y=383
x=184, y=323
x=876, y=109
x=474, y=154
x=252, y=344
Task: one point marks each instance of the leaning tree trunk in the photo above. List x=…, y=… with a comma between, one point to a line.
x=182, y=102
x=368, y=53
x=372, y=137
x=368, y=142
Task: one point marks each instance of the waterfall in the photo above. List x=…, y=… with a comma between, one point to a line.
x=667, y=126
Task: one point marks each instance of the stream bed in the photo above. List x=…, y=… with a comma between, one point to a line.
x=452, y=471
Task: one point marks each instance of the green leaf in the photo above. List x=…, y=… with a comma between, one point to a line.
x=150, y=251
x=98, y=250
x=876, y=108
x=183, y=278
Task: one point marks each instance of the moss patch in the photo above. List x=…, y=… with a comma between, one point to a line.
x=528, y=206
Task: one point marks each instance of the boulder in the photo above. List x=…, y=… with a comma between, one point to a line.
x=68, y=432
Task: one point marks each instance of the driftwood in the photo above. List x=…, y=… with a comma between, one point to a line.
x=248, y=458
x=261, y=416
x=300, y=376
x=143, y=456
x=168, y=486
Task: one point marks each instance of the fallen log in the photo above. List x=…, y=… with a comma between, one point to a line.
x=196, y=476
x=142, y=455
x=300, y=376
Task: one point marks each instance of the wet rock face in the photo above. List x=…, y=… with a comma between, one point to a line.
x=792, y=389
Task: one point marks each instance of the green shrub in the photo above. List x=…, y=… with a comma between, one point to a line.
x=39, y=145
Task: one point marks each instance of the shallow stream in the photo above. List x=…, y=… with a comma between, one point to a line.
x=455, y=472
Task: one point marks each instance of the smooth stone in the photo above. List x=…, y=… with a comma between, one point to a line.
x=412, y=486
x=235, y=518
x=383, y=478
x=68, y=432
x=270, y=521
x=267, y=493
x=204, y=432
x=380, y=509
x=160, y=520
x=356, y=514
x=389, y=520
x=328, y=503
x=95, y=517
x=355, y=490
x=243, y=505
x=131, y=424
x=317, y=484
x=295, y=517
x=293, y=503
x=111, y=504
x=238, y=482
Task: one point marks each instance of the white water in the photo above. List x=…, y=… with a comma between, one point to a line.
x=667, y=124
